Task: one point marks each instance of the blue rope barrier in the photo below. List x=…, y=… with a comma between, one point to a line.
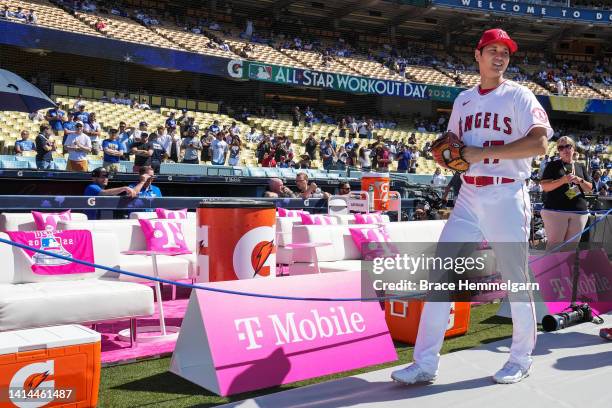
x=200, y=287
x=238, y=293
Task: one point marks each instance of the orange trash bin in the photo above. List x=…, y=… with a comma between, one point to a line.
x=377, y=185
x=236, y=240
x=403, y=319
x=51, y=366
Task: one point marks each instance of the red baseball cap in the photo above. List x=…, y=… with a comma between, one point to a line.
x=497, y=35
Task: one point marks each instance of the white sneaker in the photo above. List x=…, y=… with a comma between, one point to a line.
x=412, y=374
x=511, y=373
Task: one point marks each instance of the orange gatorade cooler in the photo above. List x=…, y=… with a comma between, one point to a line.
x=403, y=319
x=50, y=366
x=377, y=184
x=236, y=240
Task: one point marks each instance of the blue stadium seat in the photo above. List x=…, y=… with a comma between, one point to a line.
x=17, y=164
x=257, y=172
x=127, y=166
x=182, y=169
x=219, y=171
x=288, y=173
x=94, y=163
x=272, y=172
x=26, y=159
x=240, y=171
x=60, y=163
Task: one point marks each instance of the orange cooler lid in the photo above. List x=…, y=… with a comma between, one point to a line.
x=46, y=338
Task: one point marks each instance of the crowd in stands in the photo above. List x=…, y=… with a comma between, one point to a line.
x=181, y=140
x=561, y=78
x=19, y=14
x=558, y=78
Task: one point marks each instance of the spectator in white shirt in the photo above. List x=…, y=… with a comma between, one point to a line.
x=20, y=15
x=93, y=130
x=78, y=103
x=438, y=178
x=253, y=136
x=219, y=150
x=164, y=139
x=560, y=88
x=78, y=146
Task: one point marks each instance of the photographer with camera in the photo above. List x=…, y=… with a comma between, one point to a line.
x=565, y=182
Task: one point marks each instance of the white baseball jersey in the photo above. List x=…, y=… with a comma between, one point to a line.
x=500, y=116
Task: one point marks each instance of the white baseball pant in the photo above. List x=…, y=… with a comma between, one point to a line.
x=499, y=214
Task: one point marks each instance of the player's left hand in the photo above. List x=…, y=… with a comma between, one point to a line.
x=473, y=154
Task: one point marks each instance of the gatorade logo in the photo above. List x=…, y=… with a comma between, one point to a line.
x=254, y=254
x=234, y=68
x=383, y=187
x=30, y=378
x=451, y=317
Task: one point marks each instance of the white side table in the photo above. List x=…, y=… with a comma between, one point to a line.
x=165, y=332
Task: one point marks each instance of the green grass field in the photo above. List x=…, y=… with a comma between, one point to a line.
x=149, y=384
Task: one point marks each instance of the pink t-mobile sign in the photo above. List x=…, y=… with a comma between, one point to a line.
x=231, y=344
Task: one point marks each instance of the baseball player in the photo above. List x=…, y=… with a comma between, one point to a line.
x=503, y=127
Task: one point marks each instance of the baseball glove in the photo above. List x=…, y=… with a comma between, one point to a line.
x=447, y=151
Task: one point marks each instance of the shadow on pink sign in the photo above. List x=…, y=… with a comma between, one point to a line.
x=554, y=274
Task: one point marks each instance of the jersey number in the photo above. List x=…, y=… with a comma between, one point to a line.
x=492, y=143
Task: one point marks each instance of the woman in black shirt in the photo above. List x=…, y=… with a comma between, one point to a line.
x=564, y=181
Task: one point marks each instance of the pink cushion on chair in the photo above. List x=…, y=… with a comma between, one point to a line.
x=164, y=236
x=368, y=218
x=316, y=219
x=164, y=214
x=283, y=212
x=48, y=221
x=365, y=236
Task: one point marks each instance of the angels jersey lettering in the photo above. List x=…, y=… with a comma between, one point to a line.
x=501, y=116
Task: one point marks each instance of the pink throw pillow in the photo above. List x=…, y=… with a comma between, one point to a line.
x=368, y=241
x=374, y=218
x=164, y=236
x=315, y=219
x=48, y=221
x=283, y=213
x=164, y=214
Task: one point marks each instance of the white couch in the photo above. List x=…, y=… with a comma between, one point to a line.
x=30, y=300
x=129, y=237
x=343, y=254
x=284, y=233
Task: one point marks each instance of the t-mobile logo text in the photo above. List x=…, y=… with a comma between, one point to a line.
x=335, y=321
